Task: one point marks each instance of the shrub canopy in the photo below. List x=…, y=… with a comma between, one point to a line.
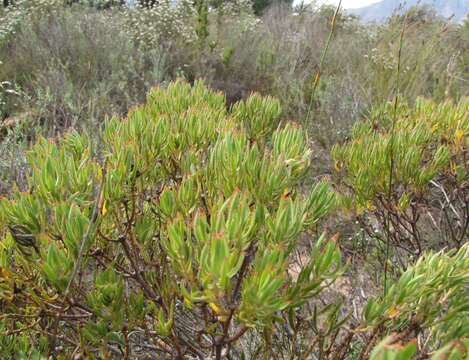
x=182, y=208
x=409, y=166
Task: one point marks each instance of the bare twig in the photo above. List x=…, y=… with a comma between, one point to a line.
x=391, y=150
x=323, y=58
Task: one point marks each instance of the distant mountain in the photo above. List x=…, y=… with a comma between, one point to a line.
x=380, y=11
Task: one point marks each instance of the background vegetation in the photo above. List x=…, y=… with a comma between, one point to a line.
x=316, y=207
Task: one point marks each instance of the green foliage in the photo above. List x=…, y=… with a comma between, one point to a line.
x=191, y=209
x=182, y=224
x=424, y=314
x=426, y=145
x=386, y=350
x=430, y=295
x=182, y=228
x=260, y=6
x=202, y=20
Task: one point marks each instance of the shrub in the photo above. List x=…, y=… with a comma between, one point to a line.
x=422, y=315
x=431, y=59
x=279, y=53
x=72, y=67
x=174, y=236
x=427, y=303
x=13, y=164
x=259, y=6
x=410, y=168
x=178, y=227
x=162, y=23
x=275, y=54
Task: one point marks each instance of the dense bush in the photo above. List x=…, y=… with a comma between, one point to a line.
x=405, y=173
x=165, y=23
x=175, y=236
x=192, y=212
x=120, y=52
x=73, y=67
x=190, y=227
x=420, y=302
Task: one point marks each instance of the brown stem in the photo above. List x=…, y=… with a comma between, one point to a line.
x=137, y=275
